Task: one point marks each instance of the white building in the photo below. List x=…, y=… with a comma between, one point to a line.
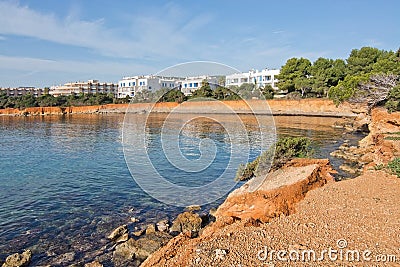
x=191, y=84
x=259, y=78
x=129, y=86
x=89, y=87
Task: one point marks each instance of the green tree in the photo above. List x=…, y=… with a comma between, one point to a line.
x=267, y=91
x=223, y=93
x=47, y=100
x=246, y=91
x=393, y=103
x=204, y=91
x=173, y=95
x=326, y=73
x=143, y=96
x=387, y=63
x=346, y=88
x=361, y=61
x=25, y=101
x=295, y=71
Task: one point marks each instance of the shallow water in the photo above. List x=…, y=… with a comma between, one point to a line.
x=64, y=182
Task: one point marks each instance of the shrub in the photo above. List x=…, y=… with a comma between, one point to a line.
x=393, y=103
x=286, y=149
x=394, y=166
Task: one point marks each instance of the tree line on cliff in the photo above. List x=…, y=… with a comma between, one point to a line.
x=368, y=75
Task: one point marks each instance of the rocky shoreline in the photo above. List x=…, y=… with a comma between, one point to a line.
x=278, y=107
x=227, y=236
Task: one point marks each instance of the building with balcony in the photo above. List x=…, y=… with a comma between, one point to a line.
x=259, y=78
x=129, y=86
x=191, y=84
x=23, y=90
x=89, y=87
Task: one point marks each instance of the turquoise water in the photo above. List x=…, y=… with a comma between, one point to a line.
x=64, y=183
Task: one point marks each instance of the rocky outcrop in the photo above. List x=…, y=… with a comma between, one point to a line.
x=188, y=223
x=379, y=147
x=278, y=194
x=135, y=251
x=382, y=143
x=18, y=260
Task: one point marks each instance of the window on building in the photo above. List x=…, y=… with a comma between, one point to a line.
x=196, y=85
x=267, y=78
x=235, y=80
x=190, y=84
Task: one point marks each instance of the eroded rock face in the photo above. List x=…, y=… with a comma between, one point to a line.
x=278, y=193
x=381, y=144
x=186, y=222
x=18, y=260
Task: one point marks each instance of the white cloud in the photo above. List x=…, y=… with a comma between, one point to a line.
x=149, y=35
x=31, y=66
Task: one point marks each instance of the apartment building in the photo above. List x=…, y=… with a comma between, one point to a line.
x=23, y=90
x=89, y=87
x=259, y=78
x=191, y=84
x=129, y=86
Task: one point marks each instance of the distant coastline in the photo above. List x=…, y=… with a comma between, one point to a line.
x=304, y=107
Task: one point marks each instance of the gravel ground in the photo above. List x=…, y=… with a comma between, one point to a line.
x=358, y=216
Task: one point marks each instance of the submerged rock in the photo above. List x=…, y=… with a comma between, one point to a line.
x=119, y=234
x=18, y=260
x=65, y=258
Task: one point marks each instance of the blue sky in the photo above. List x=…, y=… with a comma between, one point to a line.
x=49, y=42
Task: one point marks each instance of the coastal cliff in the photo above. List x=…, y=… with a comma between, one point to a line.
x=308, y=107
